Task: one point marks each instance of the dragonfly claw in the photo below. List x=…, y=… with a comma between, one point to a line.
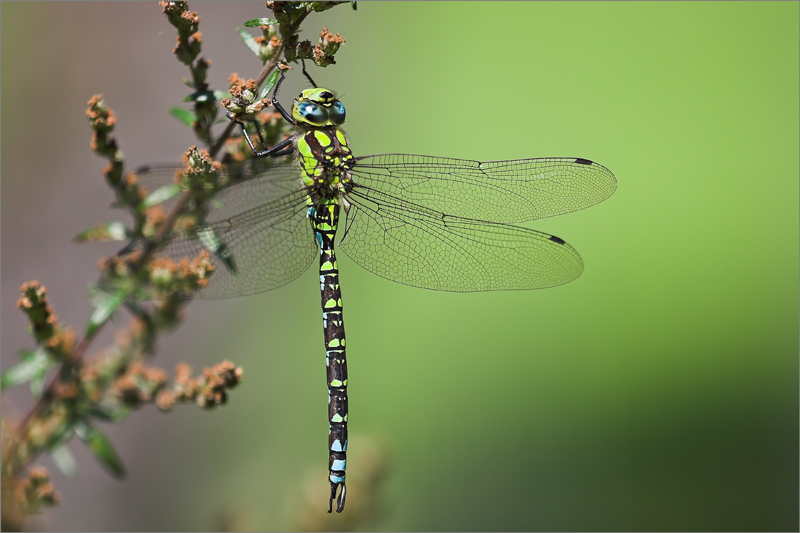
x=233, y=118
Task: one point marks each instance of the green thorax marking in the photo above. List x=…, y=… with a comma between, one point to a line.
x=326, y=160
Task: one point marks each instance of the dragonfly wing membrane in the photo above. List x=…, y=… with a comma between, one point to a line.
x=493, y=191
x=247, y=185
x=256, y=230
x=268, y=251
x=417, y=246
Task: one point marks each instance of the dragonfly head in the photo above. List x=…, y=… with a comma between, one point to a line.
x=318, y=108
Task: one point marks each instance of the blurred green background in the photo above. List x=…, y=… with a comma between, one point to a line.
x=657, y=392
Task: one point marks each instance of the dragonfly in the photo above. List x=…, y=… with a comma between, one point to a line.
x=431, y=222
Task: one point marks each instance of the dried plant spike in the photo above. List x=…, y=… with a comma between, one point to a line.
x=48, y=333
x=35, y=492
x=187, y=23
x=102, y=121
x=33, y=302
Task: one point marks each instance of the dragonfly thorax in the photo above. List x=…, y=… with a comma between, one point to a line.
x=326, y=161
x=325, y=157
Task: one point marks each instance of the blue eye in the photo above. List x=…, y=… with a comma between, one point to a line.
x=336, y=112
x=313, y=114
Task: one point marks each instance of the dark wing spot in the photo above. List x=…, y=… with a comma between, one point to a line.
x=142, y=169
x=582, y=161
x=556, y=239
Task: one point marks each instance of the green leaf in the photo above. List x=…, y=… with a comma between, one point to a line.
x=113, y=231
x=64, y=461
x=196, y=97
x=60, y=435
x=184, y=115
x=204, y=96
x=270, y=83
x=323, y=6
x=214, y=244
x=161, y=194
x=100, y=447
x=25, y=354
x=110, y=413
x=250, y=41
x=104, y=310
x=32, y=363
x=37, y=381
x=263, y=21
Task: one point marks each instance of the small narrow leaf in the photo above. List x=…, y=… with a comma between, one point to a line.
x=195, y=97
x=100, y=447
x=214, y=244
x=113, y=231
x=25, y=355
x=104, y=310
x=31, y=364
x=37, y=381
x=60, y=435
x=184, y=115
x=204, y=96
x=263, y=21
x=161, y=194
x=110, y=413
x=269, y=84
x=65, y=461
x=250, y=41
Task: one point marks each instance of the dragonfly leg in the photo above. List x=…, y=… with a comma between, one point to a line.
x=287, y=151
x=282, y=148
x=287, y=116
x=308, y=77
x=258, y=132
x=270, y=153
x=275, y=151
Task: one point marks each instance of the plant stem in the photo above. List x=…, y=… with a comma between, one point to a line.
x=47, y=396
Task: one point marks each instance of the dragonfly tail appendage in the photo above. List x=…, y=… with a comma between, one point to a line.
x=340, y=500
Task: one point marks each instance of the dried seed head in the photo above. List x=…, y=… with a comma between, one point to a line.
x=329, y=42
x=165, y=400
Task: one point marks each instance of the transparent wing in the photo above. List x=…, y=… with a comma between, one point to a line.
x=260, y=222
x=495, y=191
x=402, y=223
x=414, y=245
x=251, y=184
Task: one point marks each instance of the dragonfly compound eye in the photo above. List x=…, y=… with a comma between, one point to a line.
x=336, y=113
x=311, y=113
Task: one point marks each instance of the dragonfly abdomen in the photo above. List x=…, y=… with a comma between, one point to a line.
x=325, y=219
